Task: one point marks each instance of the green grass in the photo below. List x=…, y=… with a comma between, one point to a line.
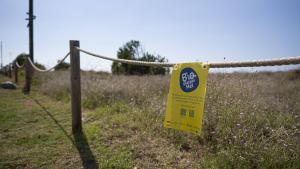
x=35, y=133
x=250, y=121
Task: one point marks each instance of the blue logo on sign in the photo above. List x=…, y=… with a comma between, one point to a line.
x=189, y=80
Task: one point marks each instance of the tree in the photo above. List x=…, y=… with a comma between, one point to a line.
x=132, y=51
x=39, y=65
x=62, y=66
x=21, y=58
x=129, y=51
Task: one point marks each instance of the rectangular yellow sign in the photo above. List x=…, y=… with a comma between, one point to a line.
x=186, y=96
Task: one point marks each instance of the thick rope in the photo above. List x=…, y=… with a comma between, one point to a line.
x=255, y=63
x=47, y=70
x=133, y=62
x=17, y=64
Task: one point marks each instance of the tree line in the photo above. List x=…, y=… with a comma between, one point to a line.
x=132, y=50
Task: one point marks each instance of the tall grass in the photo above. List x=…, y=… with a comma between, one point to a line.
x=251, y=120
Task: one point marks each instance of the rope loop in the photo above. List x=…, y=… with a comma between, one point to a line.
x=17, y=64
x=47, y=70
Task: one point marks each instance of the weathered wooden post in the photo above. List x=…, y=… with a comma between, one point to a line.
x=28, y=75
x=9, y=70
x=5, y=71
x=16, y=72
x=75, y=86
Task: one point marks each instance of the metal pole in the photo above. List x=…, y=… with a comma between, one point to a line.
x=30, y=19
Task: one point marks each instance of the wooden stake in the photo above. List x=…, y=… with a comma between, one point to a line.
x=16, y=73
x=9, y=70
x=75, y=87
x=28, y=76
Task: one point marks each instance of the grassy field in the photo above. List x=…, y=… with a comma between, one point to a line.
x=250, y=121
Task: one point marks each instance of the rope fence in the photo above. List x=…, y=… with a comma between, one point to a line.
x=19, y=67
x=133, y=62
x=38, y=69
x=47, y=70
x=254, y=63
x=75, y=83
x=29, y=67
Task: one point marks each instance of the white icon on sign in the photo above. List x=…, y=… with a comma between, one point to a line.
x=186, y=77
x=192, y=75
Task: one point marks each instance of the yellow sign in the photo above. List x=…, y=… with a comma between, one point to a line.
x=186, y=97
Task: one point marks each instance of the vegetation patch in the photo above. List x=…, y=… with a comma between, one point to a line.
x=250, y=121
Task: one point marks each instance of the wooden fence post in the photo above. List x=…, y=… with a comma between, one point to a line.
x=9, y=70
x=75, y=87
x=5, y=71
x=16, y=72
x=28, y=75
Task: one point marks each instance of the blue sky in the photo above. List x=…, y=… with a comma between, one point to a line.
x=181, y=31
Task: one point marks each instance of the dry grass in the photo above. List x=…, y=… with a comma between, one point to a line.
x=251, y=120
x=103, y=89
